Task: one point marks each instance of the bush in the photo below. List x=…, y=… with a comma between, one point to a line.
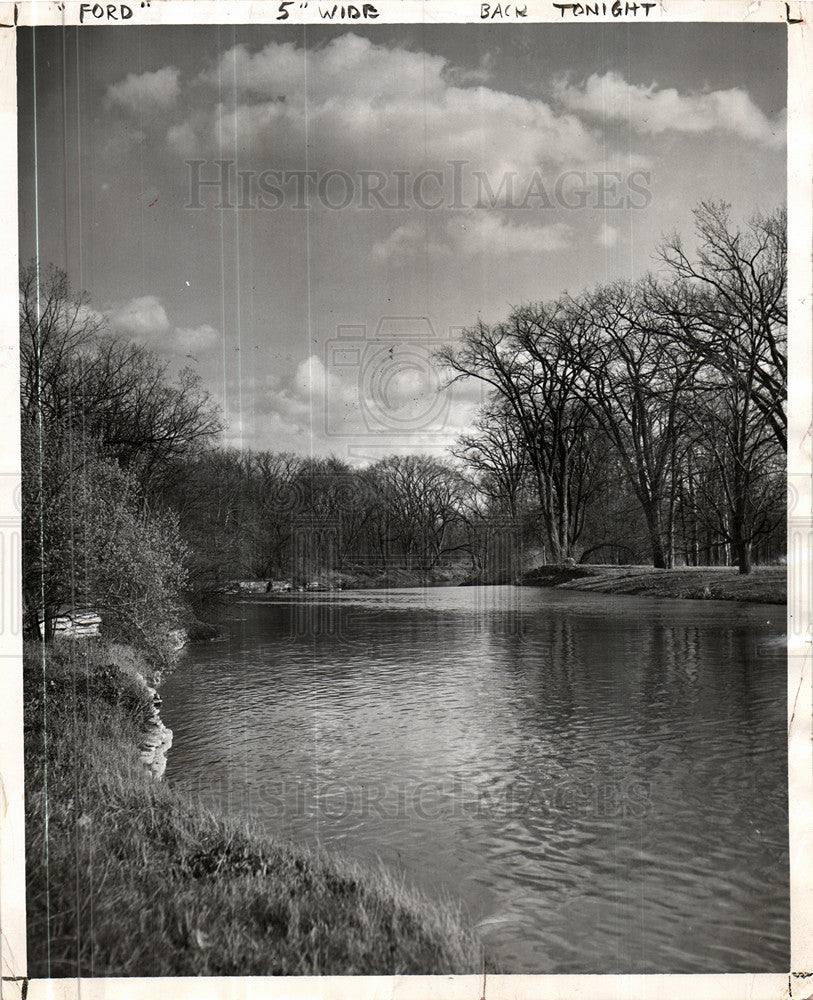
x=90, y=540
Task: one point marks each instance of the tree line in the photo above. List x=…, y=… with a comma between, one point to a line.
x=670, y=389
x=103, y=423
x=132, y=507
x=636, y=419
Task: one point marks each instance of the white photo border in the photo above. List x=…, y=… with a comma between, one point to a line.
x=798, y=983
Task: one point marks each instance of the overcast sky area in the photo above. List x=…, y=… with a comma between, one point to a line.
x=455, y=171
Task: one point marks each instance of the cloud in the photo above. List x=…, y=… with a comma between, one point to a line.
x=490, y=234
x=324, y=404
x=404, y=109
x=304, y=393
x=311, y=403
x=607, y=236
x=653, y=110
x=462, y=77
x=477, y=233
x=149, y=91
x=395, y=401
x=311, y=380
x=145, y=319
x=197, y=339
x=407, y=242
x=349, y=65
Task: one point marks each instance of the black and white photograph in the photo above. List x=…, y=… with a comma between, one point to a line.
x=404, y=548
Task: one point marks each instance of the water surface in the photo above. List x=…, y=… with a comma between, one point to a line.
x=601, y=781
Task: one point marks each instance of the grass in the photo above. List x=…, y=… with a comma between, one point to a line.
x=764, y=585
x=395, y=578
x=132, y=878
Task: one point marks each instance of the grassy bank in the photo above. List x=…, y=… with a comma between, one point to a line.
x=395, y=579
x=359, y=578
x=764, y=585
x=135, y=879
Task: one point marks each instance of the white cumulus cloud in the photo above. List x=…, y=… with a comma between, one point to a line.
x=607, y=236
x=404, y=109
x=141, y=317
x=654, y=110
x=145, y=319
x=407, y=242
x=159, y=89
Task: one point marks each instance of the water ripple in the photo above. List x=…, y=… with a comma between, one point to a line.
x=600, y=780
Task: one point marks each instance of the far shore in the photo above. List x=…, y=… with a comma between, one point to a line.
x=763, y=585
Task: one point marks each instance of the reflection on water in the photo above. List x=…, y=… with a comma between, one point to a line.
x=601, y=781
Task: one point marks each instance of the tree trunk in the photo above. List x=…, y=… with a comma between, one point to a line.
x=659, y=557
x=559, y=552
x=49, y=626
x=657, y=540
x=31, y=619
x=744, y=557
x=33, y=632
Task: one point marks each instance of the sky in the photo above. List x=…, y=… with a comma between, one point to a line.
x=367, y=194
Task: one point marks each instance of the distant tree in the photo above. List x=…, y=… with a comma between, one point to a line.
x=495, y=452
x=331, y=509
x=420, y=503
x=206, y=491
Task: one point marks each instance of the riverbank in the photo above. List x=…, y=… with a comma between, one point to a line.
x=764, y=585
x=169, y=888
x=356, y=578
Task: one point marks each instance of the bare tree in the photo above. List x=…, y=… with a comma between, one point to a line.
x=730, y=304
x=421, y=501
x=496, y=454
x=111, y=390
x=636, y=379
x=529, y=362
x=56, y=326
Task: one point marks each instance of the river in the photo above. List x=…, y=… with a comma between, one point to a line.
x=600, y=781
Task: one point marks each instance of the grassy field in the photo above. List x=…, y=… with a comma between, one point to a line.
x=134, y=879
x=764, y=585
